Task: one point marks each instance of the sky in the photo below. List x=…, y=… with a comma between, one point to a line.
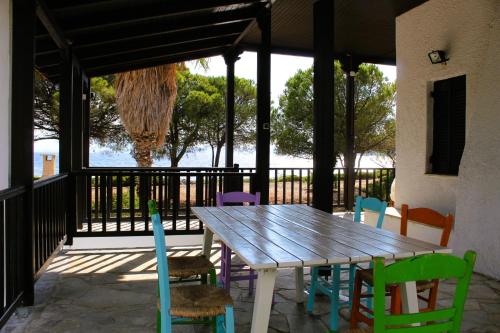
x=282, y=68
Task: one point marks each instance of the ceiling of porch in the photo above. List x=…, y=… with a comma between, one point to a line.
x=109, y=36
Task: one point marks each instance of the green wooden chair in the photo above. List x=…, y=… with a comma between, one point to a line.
x=424, y=267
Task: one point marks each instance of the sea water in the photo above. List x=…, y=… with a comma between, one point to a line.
x=200, y=157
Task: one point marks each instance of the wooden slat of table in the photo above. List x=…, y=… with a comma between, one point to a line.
x=350, y=232
x=281, y=256
x=422, y=246
x=333, y=236
x=299, y=249
x=250, y=254
x=335, y=252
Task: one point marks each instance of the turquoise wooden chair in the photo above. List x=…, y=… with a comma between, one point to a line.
x=187, y=304
x=332, y=288
x=421, y=268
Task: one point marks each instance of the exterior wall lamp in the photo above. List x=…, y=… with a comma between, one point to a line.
x=438, y=57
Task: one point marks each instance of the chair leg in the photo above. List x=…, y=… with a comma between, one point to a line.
x=229, y=319
x=369, y=300
x=213, y=276
x=312, y=289
x=396, y=303
x=433, y=292
x=352, y=273
x=334, y=300
x=217, y=324
x=227, y=269
x=222, y=273
x=158, y=321
x=355, y=310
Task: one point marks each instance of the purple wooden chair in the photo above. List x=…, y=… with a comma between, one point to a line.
x=226, y=267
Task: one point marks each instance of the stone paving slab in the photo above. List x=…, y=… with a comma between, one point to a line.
x=115, y=291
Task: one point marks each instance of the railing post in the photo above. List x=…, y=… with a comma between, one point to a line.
x=199, y=190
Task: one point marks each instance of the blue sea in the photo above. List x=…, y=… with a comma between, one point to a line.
x=201, y=157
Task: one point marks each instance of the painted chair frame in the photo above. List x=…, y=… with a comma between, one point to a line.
x=164, y=318
x=227, y=268
x=424, y=267
x=425, y=216
x=332, y=288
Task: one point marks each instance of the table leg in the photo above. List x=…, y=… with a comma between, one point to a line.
x=208, y=238
x=409, y=297
x=263, y=300
x=299, y=284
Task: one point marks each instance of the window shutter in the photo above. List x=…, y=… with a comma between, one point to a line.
x=449, y=125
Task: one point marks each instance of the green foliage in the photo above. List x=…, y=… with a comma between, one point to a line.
x=105, y=127
x=292, y=129
x=199, y=115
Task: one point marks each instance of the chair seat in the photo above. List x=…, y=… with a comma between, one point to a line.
x=198, y=301
x=367, y=276
x=184, y=267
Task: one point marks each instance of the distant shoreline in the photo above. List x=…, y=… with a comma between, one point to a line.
x=101, y=157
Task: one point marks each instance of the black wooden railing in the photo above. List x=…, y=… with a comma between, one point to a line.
x=294, y=185
x=116, y=199
x=12, y=255
x=114, y=202
x=49, y=218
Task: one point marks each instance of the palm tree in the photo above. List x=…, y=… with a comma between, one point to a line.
x=145, y=99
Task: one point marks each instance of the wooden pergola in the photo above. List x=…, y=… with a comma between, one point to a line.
x=71, y=41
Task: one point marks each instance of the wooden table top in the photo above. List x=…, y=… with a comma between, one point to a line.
x=298, y=235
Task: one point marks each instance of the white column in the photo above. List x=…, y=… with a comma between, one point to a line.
x=5, y=74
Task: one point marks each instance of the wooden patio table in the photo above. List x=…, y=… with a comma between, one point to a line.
x=268, y=237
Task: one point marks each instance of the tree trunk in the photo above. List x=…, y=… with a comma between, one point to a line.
x=217, y=155
x=213, y=156
x=142, y=151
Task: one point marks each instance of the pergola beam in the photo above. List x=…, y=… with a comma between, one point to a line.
x=157, y=42
x=51, y=25
x=145, y=63
x=127, y=31
x=158, y=52
x=114, y=13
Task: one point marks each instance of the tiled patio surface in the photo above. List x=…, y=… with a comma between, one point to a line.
x=114, y=291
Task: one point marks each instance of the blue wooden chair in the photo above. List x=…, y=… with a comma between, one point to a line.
x=332, y=288
x=187, y=304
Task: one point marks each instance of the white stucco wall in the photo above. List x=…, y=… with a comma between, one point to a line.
x=469, y=31
x=5, y=47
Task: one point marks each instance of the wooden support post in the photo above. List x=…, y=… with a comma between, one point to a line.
x=230, y=59
x=323, y=155
x=86, y=120
x=263, y=107
x=350, y=67
x=23, y=28
x=66, y=103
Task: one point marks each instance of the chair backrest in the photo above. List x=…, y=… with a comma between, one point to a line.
x=372, y=204
x=428, y=217
x=237, y=197
x=424, y=267
x=162, y=267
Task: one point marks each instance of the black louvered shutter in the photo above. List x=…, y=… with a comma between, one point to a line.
x=449, y=125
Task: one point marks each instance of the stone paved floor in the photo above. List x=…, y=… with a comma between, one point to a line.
x=114, y=291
